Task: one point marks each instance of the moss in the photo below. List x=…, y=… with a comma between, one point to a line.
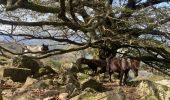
x=149, y=97
x=82, y=76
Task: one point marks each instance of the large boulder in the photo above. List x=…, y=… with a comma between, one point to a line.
x=29, y=82
x=91, y=83
x=164, y=82
x=68, y=83
x=154, y=91
x=68, y=77
x=16, y=74
x=91, y=94
x=32, y=83
x=27, y=62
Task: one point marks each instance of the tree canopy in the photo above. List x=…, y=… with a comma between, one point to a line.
x=142, y=26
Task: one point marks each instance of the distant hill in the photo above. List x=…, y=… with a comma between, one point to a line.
x=12, y=46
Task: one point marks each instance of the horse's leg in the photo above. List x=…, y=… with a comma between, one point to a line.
x=102, y=70
x=118, y=76
x=94, y=73
x=110, y=76
x=121, y=77
x=126, y=76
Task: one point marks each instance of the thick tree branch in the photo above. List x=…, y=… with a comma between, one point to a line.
x=32, y=23
x=29, y=36
x=41, y=9
x=149, y=3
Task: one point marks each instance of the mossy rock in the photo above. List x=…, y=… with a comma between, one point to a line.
x=82, y=76
x=45, y=71
x=91, y=83
x=87, y=94
x=16, y=74
x=90, y=94
x=27, y=62
x=154, y=90
x=150, y=97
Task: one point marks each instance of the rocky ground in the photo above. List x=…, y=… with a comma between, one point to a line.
x=68, y=86
x=77, y=84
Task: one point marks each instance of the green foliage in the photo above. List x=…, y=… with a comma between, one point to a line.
x=52, y=62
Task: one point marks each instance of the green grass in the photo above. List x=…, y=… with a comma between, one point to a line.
x=54, y=63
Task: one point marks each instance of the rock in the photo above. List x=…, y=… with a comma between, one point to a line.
x=16, y=74
x=39, y=85
x=27, y=62
x=153, y=90
x=61, y=79
x=50, y=93
x=69, y=88
x=68, y=77
x=46, y=70
x=150, y=97
x=23, y=96
x=91, y=83
x=110, y=95
x=62, y=96
x=74, y=68
x=32, y=83
x=144, y=74
x=49, y=98
x=9, y=82
x=71, y=78
x=90, y=94
x=116, y=96
x=3, y=63
x=82, y=76
x=164, y=82
x=28, y=83
x=85, y=95
x=6, y=94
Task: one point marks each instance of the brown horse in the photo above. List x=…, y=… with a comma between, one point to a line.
x=92, y=63
x=122, y=66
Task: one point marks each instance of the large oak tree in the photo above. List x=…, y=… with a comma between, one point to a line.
x=141, y=26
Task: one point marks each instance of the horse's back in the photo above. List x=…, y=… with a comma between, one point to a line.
x=115, y=64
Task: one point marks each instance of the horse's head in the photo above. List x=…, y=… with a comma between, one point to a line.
x=135, y=66
x=135, y=71
x=81, y=61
